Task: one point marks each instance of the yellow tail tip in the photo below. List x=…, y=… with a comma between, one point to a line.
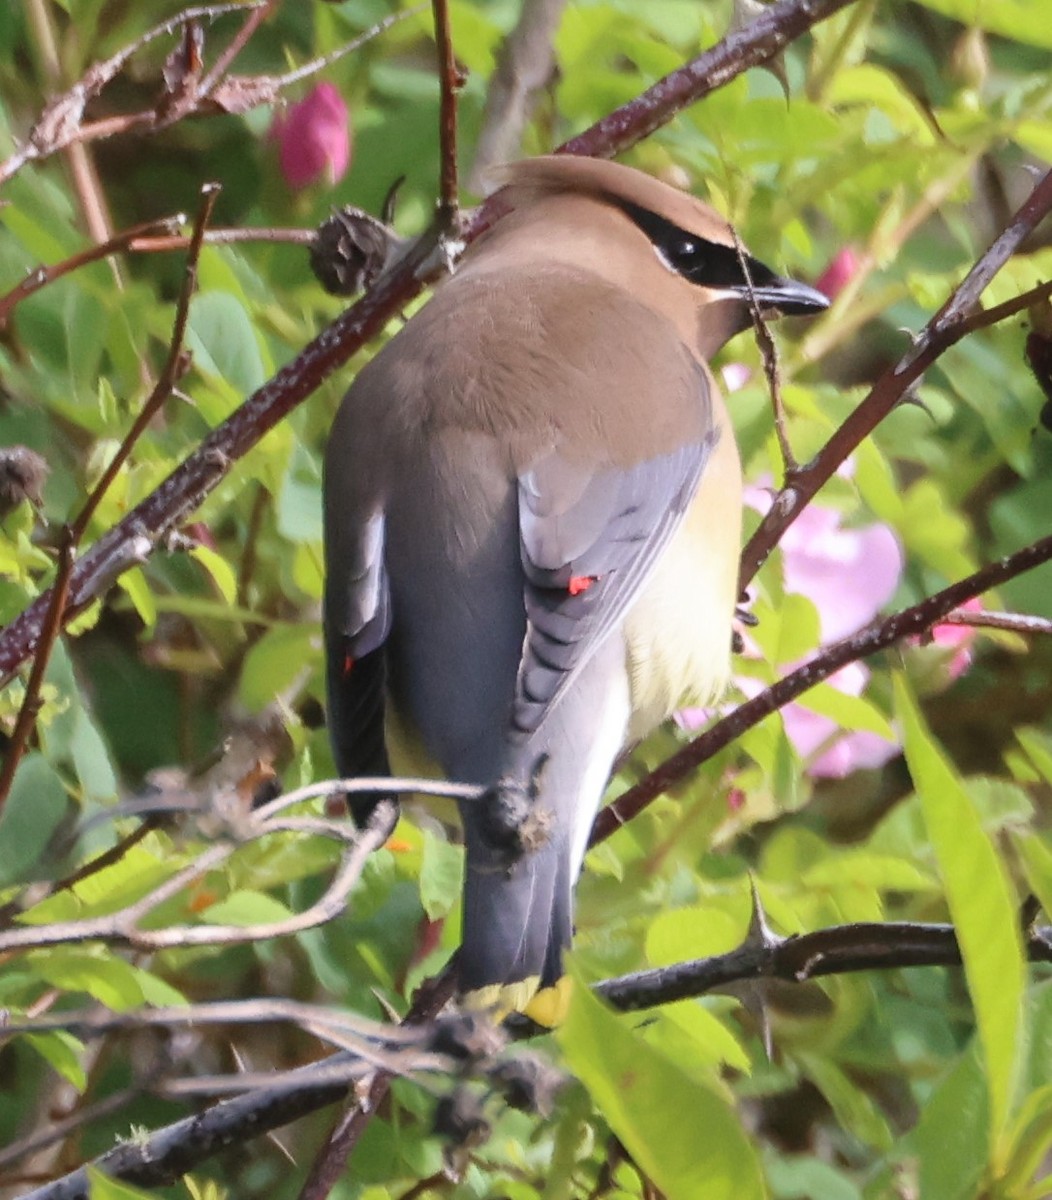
x=545, y=1006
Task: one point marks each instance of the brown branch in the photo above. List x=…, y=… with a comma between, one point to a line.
x=43, y=275
x=184, y=490
x=761, y=40
x=1024, y=623
x=151, y=237
x=329, y=1167
x=838, y=950
x=948, y=326
x=172, y=1151
x=30, y=707
x=60, y=124
x=225, y=237
x=878, y=635
x=451, y=80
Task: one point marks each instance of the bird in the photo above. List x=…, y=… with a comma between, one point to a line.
x=532, y=514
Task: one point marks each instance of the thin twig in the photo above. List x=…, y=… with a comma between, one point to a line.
x=174, y=365
x=60, y=123
x=123, y=926
x=30, y=707
x=1025, y=623
x=101, y=861
x=238, y=42
x=771, y=366
x=152, y=237
x=450, y=82
x=329, y=1167
x=43, y=275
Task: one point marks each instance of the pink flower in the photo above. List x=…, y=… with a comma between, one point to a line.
x=959, y=639
x=827, y=751
x=314, y=138
x=847, y=574
x=841, y=270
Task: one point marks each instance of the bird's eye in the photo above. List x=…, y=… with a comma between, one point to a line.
x=685, y=252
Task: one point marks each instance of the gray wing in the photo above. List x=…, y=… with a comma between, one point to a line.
x=589, y=539
x=357, y=622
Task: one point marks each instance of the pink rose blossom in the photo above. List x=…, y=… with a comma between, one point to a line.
x=847, y=574
x=828, y=752
x=841, y=270
x=314, y=138
x=959, y=639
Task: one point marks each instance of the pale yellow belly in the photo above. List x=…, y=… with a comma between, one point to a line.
x=678, y=633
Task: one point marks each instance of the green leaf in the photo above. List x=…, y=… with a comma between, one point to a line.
x=35, y=807
x=246, y=908
x=221, y=572
x=682, y=1134
x=951, y=1136
x=135, y=873
x=849, y=712
x=101, y=975
x=982, y=907
x=62, y=1050
x=855, y=1110
x=91, y=759
x=1036, y=856
x=102, y=1187
x=441, y=873
x=274, y=662
x=697, y=931
x=1038, y=747
x=1024, y=20
x=134, y=585
x=223, y=341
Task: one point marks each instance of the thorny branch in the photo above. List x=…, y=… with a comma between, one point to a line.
x=169, y=1152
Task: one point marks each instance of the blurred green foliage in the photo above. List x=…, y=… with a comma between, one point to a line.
x=910, y=133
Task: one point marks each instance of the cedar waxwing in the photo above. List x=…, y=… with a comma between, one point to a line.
x=533, y=519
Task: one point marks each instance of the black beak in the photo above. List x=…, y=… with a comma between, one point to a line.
x=787, y=296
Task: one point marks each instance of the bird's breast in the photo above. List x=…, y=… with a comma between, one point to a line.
x=678, y=632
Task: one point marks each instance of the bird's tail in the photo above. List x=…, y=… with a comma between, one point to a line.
x=518, y=919
x=518, y=900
